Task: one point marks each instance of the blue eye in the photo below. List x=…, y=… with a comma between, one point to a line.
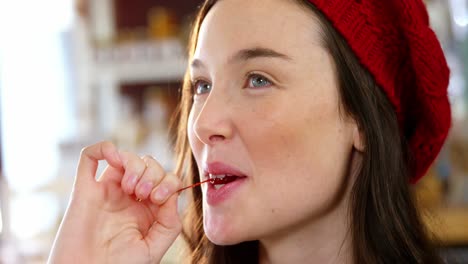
x=258, y=81
x=201, y=87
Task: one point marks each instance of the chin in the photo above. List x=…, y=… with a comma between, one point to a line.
x=222, y=240
x=223, y=237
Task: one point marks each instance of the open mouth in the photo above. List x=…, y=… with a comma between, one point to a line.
x=218, y=181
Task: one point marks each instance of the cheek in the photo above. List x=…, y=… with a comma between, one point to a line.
x=290, y=135
x=300, y=150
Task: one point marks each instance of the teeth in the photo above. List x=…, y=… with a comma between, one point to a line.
x=219, y=176
x=217, y=186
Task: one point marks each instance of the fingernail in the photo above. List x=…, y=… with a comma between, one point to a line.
x=145, y=189
x=161, y=194
x=132, y=179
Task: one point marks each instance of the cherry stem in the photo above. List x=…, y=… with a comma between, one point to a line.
x=193, y=185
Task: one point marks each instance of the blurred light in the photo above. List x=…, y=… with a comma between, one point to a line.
x=29, y=17
x=31, y=98
x=33, y=214
x=461, y=21
x=460, y=12
x=33, y=88
x=1, y=222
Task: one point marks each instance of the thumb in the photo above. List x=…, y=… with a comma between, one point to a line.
x=166, y=227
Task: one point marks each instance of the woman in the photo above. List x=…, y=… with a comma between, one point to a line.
x=317, y=115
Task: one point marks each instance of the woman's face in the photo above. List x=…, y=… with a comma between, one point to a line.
x=266, y=107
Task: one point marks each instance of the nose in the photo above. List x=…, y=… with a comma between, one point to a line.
x=213, y=122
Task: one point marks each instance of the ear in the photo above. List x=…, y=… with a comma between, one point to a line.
x=358, y=139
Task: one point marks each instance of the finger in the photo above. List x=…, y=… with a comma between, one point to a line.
x=89, y=160
x=165, y=229
x=165, y=189
x=153, y=174
x=134, y=168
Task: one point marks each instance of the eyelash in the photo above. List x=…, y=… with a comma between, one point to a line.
x=249, y=77
x=252, y=75
x=195, y=84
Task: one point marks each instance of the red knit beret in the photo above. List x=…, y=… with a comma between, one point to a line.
x=392, y=39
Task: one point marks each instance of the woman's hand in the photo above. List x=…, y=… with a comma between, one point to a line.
x=128, y=215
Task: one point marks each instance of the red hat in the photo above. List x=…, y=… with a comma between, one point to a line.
x=392, y=39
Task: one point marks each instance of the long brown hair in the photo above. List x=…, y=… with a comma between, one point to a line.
x=386, y=226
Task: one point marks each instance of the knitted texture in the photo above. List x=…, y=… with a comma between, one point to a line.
x=393, y=41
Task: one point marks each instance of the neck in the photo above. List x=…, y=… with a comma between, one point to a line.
x=326, y=239
x=326, y=242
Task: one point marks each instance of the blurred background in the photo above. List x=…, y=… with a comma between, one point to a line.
x=74, y=72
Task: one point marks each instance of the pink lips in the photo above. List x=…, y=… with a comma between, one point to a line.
x=218, y=168
x=215, y=196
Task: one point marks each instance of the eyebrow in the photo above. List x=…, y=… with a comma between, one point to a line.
x=248, y=54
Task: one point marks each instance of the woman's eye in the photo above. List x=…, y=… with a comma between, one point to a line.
x=201, y=87
x=258, y=81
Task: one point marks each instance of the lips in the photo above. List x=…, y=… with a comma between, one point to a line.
x=221, y=173
x=225, y=180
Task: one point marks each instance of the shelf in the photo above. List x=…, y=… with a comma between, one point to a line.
x=142, y=61
x=144, y=71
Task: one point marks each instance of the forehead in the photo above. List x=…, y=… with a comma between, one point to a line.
x=282, y=25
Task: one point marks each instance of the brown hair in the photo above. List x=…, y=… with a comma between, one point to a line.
x=386, y=226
